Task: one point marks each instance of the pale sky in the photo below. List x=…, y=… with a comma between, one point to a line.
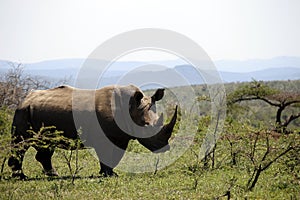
x=34, y=30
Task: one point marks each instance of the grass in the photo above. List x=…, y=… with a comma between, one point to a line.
x=186, y=178
x=177, y=181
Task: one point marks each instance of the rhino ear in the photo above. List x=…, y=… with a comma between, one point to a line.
x=159, y=94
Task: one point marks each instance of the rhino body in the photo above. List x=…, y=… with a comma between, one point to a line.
x=110, y=134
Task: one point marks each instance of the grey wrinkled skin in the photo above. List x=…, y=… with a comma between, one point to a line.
x=122, y=113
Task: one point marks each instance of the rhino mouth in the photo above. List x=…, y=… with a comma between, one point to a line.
x=159, y=142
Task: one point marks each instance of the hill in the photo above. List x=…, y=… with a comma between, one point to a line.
x=279, y=68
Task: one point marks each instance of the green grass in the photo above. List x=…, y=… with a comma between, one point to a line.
x=184, y=179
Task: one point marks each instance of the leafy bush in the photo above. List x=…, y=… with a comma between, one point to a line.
x=5, y=121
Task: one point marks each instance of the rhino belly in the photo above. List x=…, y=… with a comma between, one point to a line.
x=62, y=121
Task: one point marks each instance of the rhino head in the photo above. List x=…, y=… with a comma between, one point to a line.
x=147, y=126
x=160, y=141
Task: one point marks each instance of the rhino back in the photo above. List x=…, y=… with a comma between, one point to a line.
x=51, y=108
x=54, y=107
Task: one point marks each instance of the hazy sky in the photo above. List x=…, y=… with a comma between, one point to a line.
x=34, y=30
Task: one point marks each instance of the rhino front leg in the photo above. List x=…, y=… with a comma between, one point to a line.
x=109, y=163
x=110, y=157
x=106, y=171
x=44, y=157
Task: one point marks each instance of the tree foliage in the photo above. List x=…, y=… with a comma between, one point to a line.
x=258, y=90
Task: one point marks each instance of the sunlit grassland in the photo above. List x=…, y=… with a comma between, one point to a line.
x=184, y=179
x=188, y=177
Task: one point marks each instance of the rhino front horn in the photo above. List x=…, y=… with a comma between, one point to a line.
x=168, y=128
x=160, y=121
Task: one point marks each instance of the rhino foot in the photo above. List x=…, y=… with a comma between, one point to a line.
x=50, y=172
x=19, y=175
x=108, y=173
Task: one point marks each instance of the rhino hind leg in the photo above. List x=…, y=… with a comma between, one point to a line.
x=19, y=144
x=15, y=163
x=44, y=157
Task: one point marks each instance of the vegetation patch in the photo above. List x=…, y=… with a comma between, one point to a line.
x=256, y=157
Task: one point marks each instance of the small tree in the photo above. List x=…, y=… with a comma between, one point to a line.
x=12, y=86
x=257, y=90
x=264, y=152
x=16, y=84
x=257, y=149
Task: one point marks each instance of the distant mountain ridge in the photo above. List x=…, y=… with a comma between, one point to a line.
x=257, y=64
x=270, y=74
x=279, y=68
